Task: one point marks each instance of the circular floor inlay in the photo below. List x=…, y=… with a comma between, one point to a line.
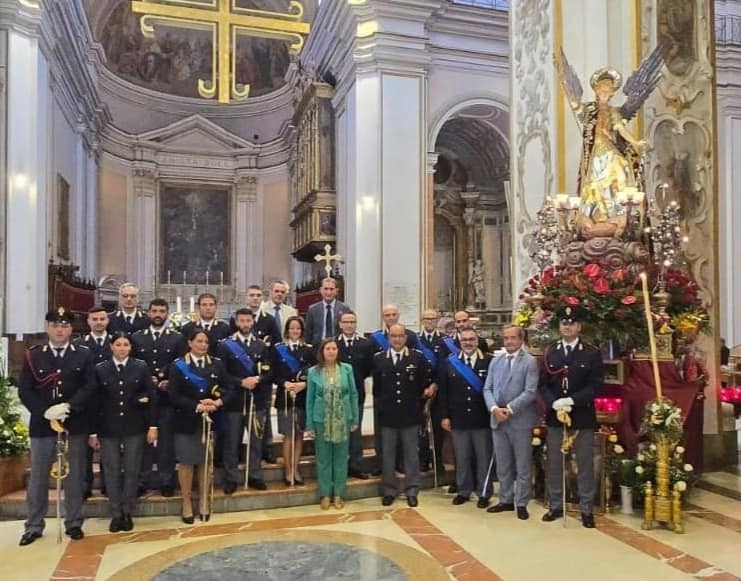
x=268, y=561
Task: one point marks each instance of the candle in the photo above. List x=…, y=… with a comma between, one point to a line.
x=185, y=277
x=562, y=201
x=221, y=278
x=207, y=279
x=651, y=338
x=192, y=304
x=178, y=305
x=168, y=278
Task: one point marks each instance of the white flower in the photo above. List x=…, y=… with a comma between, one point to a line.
x=679, y=450
x=618, y=449
x=681, y=486
x=639, y=469
x=688, y=468
x=640, y=458
x=652, y=447
x=537, y=442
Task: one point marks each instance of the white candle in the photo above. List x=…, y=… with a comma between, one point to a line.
x=185, y=277
x=221, y=278
x=178, y=305
x=207, y=278
x=192, y=304
x=168, y=278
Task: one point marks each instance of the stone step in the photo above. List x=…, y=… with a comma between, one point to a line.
x=278, y=495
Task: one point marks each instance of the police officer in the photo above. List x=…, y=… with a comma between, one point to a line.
x=572, y=378
x=462, y=379
x=129, y=318
x=125, y=418
x=357, y=351
x=215, y=328
x=247, y=360
x=158, y=346
x=56, y=384
x=401, y=380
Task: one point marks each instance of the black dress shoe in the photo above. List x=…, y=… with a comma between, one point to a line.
x=256, y=483
x=230, y=488
x=287, y=482
x=205, y=517
x=298, y=481
x=29, y=537
x=522, y=513
x=412, y=501
x=127, y=523
x=116, y=525
x=358, y=474
x=483, y=502
x=387, y=500
x=270, y=458
x=167, y=491
x=552, y=515
x=75, y=533
x=425, y=467
x=87, y=494
x=587, y=520
x=189, y=520
x=103, y=491
x=459, y=499
x=452, y=489
x=376, y=472
x=502, y=507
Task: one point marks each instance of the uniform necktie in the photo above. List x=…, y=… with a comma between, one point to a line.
x=568, y=350
x=200, y=364
x=156, y=335
x=120, y=367
x=100, y=341
x=59, y=352
x=328, y=330
x=129, y=319
x=207, y=327
x=468, y=362
x=397, y=358
x=349, y=344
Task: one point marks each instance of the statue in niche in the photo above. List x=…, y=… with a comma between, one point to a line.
x=611, y=156
x=477, y=284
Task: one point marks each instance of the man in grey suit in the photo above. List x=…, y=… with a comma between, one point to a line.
x=277, y=306
x=323, y=317
x=509, y=392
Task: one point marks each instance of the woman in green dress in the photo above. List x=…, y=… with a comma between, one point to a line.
x=331, y=414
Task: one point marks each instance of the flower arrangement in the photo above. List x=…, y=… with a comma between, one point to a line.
x=614, y=451
x=681, y=474
x=178, y=320
x=612, y=296
x=13, y=432
x=662, y=419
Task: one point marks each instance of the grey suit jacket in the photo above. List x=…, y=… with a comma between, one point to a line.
x=315, y=321
x=516, y=388
x=286, y=311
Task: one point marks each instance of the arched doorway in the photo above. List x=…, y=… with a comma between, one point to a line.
x=471, y=220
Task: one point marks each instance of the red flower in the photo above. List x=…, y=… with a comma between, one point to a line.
x=629, y=300
x=618, y=275
x=592, y=270
x=601, y=286
x=573, y=301
x=578, y=284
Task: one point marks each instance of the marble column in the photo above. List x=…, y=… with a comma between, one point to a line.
x=248, y=234
x=3, y=173
x=143, y=229
x=91, y=227
x=27, y=227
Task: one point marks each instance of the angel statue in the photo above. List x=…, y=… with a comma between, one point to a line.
x=611, y=157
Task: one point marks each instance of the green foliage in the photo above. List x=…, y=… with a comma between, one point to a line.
x=13, y=432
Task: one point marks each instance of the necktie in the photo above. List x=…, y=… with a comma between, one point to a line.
x=207, y=327
x=568, y=350
x=328, y=330
x=59, y=352
x=278, y=322
x=397, y=358
x=156, y=335
x=510, y=358
x=100, y=341
x=129, y=319
x=200, y=364
x=468, y=362
x=120, y=367
x=349, y=344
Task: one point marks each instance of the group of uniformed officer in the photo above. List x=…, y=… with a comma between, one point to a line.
x=111, y=390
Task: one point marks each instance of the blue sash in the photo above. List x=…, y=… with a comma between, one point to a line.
x=200, y=382
x=242, y=356
x=467, y=373
x=427, y=352
x=288, y=358
x=452, y=347
x=381, y=340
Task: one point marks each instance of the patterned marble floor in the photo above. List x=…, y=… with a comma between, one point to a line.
x=366, y=541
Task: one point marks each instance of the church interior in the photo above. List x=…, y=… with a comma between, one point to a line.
x=510, y=168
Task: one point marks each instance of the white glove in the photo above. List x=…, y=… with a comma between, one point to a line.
x=58, y=412
x=563, y=403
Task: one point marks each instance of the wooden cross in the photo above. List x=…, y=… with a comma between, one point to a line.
x=327, y=258
x=226, y=21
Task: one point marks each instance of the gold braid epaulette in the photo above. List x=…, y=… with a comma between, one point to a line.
x=49, y=379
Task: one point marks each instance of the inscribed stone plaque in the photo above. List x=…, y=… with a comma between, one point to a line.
x=195, y=234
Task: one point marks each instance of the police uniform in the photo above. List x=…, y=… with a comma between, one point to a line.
x=126, y=409
x=483, y=346
x=121, y=322
x=574, y=372
x=264, y=328
x=304, y=353
x=216, y=330
x=398, y=388
x=469, y=417
x=237, y=407
x=358, y=352
x=53, y=376
x=158, y=352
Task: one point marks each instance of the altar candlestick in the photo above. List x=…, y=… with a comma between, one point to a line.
x=651, y=338
x=192, y=304
x=221, y=286
x=185, y=277
x=207, y=280
x=178, y=304
x=168, y=278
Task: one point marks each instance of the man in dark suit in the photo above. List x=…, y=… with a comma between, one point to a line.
x=247, y=360
x=323, y=317
x=464, y=412
x=56, y=385
x=129, y=318
x=358, y=352
x=265, y=327
x=401, y=380
x=573, y=376
x=99, y=343
x=158, y=346
x=462, y=319
x=215, y=328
